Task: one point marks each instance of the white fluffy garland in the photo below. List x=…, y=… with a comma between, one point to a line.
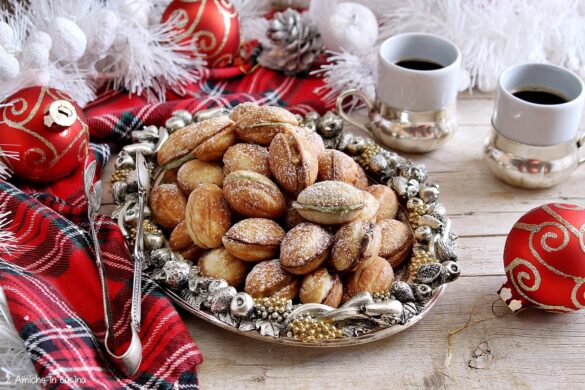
x=491, y=35
x=77, y=46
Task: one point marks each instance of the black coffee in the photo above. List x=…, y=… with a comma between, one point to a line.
x=540, y=97
x=419, y=64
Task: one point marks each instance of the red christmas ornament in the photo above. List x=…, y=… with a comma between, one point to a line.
x=544, y=259
x=48, y=132
x=210, y=28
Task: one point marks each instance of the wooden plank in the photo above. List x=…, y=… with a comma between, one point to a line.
x=531, y=350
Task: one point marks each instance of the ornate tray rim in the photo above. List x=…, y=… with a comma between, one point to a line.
x=374, y=335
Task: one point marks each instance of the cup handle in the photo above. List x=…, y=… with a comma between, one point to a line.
x=345, y=115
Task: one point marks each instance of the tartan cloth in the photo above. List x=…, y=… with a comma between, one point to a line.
x=51, y=282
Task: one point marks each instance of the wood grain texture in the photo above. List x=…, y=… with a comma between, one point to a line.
x=532, y=350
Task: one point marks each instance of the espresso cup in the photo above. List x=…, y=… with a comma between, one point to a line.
x=416, y=93
x=535, y=140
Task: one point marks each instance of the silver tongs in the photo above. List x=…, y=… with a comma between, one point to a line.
x=129, y=361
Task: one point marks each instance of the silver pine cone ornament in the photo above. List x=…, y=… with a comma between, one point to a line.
x=295, y=43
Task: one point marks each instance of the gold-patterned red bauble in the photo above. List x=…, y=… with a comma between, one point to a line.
x=210, y=28
x=544, y=259
x=46, y=130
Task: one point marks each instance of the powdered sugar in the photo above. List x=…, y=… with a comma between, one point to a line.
x=256, y=231
x=266, y=278
x=331, y=195
x=304, y=243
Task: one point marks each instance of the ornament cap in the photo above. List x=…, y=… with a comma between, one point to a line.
x=59, y=115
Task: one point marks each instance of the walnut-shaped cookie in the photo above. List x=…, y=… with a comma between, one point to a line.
x=336, y=165
x=192, y=253
x=260, y=124
x=370, y=210
x=293, y=162
x=290, y=291
x=253, y=195
x=292, y=217
x=195, y=172
x=362, y=181
x=167, y=204
x=246, y=157
x=268, y=278
x=207, y=216
x=375, y=277
x=305, y=248
x=387, y=199
x=170, y=176
x=254, y=239
x=330, y=202
x=207, y=140
x=356, y=244
x=315, y=141
x=397, y=240
x=220, y=264
x=321, y=287
x=180, y=238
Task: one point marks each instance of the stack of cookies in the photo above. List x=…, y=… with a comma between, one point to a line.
x=257, y=200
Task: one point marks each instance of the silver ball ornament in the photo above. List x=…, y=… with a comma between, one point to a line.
x=242, y=305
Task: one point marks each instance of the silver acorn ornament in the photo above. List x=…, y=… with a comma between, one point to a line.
x=422, y=292
x=183, y=115
x=124, y=161
x=453, y=270
x=153, y=240
x=330, y=125
x=174, y=123
x=402, y=291
x=433, y=274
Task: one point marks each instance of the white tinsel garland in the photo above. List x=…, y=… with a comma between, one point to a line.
x=253, y=22
x=7, y=239
x=77, y=46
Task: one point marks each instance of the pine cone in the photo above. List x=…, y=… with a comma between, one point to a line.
x=296, y=43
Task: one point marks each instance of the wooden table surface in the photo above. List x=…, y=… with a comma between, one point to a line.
x=531, y=350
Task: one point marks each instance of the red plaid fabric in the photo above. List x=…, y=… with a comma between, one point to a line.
x=51, y=282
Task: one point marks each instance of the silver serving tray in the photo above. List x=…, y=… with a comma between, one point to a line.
x=148, y=142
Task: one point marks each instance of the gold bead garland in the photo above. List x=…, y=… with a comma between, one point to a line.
x=369, y=151
x=276, y=303
x=148, y=226
x=416, y=213
x=120, y=174
x=420, y=257
x=381, y=296
x=308, y=330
